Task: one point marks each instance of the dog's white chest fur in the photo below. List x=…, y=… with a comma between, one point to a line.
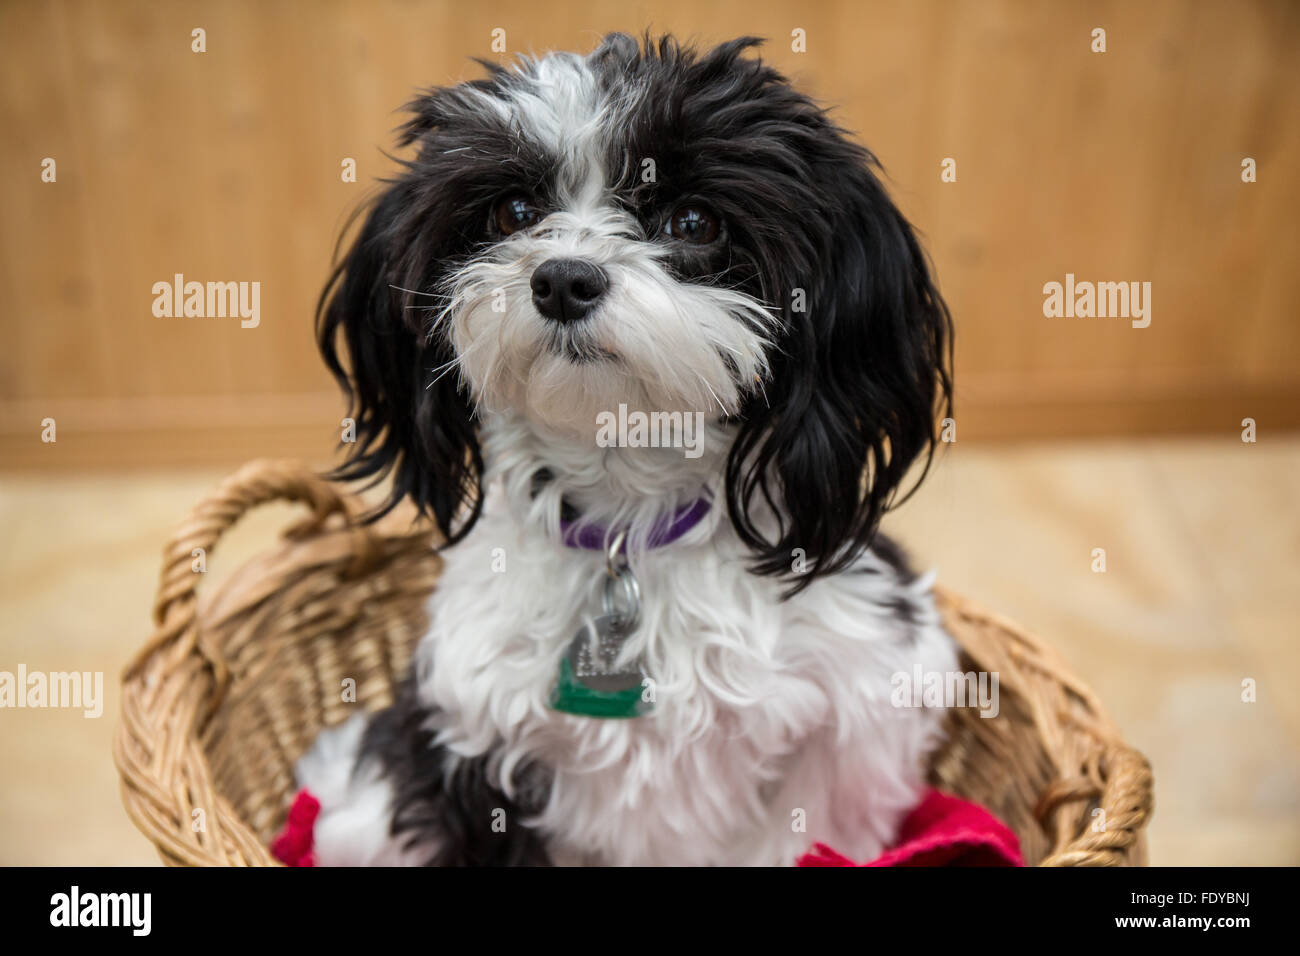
x=772, y=725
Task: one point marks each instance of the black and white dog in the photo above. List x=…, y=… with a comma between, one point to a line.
x=640, y=652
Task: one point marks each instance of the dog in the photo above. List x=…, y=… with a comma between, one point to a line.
x=639, y=656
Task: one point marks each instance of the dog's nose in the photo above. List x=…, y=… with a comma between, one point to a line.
x=564, y=290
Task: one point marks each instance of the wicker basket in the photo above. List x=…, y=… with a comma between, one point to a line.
x=232, y=688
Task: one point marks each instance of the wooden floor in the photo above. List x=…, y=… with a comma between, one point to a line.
x=1202, y=542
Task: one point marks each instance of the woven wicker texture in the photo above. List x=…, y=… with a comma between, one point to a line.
x=231, y=688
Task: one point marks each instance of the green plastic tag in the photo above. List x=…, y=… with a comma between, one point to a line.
x=571, y=696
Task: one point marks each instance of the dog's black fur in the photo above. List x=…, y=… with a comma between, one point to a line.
x=454, y=811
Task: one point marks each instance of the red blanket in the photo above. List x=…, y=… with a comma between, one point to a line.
x=942, y=831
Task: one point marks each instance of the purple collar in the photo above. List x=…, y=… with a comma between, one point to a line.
x=595, y=537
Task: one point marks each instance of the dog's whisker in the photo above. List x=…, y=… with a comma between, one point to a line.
x=444, y=365
x=412, y=291
x=448, y=366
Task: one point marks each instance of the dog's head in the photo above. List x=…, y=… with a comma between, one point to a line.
x=652, y=227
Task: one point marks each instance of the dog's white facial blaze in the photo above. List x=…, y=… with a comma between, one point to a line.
x=653, y=342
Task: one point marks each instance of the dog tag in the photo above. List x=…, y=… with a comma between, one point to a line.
x=593, y=656
x=590, y=682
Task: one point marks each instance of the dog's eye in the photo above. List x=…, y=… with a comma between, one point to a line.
x=516, y=212
x=693, y=224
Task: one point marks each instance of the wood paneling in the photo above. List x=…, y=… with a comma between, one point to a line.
x=225, y=166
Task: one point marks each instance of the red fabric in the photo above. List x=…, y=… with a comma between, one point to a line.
x=293, y=847
x=942, y=831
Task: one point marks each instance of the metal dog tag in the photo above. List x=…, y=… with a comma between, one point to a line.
x=591, y=682
x=593, y=656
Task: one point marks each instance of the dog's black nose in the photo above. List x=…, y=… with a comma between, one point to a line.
x=564, y=290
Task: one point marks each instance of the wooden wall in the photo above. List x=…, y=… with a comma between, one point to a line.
x=225, y=165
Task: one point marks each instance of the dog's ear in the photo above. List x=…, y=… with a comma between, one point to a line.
x=857, y=379
x=412, y=421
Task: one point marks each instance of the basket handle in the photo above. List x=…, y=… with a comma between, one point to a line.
x=1125, y=796
x=257, y=483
